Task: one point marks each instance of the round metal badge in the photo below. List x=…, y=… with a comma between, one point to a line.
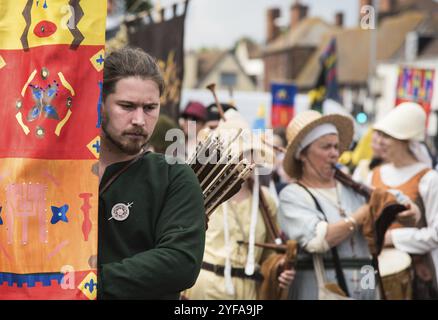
x=120, y=211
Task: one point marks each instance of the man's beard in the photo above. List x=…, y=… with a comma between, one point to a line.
x=129, y=148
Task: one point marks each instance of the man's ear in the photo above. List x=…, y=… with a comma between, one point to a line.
x=104, y=105
x=102, y=111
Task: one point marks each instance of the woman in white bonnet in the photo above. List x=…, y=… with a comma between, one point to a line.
x=408, y=169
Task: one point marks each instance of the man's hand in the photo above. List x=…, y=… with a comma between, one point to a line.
x=286, y=276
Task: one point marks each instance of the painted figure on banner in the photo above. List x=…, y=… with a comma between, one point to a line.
x=51, y=62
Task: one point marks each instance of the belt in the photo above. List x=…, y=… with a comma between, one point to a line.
x=346, y=263
x=235, y=272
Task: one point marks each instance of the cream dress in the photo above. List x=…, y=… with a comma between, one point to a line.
x=210, y=286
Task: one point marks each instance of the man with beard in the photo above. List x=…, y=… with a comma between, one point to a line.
x=151, y=213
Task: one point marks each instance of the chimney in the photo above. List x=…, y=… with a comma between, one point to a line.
x=387, y=6
x=272, y=30
x=411, y=46
x=297, y=13
x=339, y=19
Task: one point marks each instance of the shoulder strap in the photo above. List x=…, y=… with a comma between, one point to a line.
x=270, y=224
x=336, y=261
x=419, y=201
x=271, y=227
x=118, y=173
x=318, y=206
x=421, y=174
x=376, y=180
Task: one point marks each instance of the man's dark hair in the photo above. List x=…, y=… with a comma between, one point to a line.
x=130, y=62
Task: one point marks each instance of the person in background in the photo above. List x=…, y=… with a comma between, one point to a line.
x=213, y=115
x=331, y=221
x=365, y=166
x=408, y=169
x=279, y=176
x=192, y=121
x=319, y=212
x=158, y=142
x=230, y=228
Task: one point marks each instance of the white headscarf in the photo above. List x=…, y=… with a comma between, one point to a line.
x=420, y=152
x=314, y=134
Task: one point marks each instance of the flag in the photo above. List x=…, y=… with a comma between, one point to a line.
x=327, y=84
x=283, y=99
x=51, y=59
x=260, y=121
x=165, y=41
x=415, y=85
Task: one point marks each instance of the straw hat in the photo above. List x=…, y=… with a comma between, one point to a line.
x=407, y=121
x=305, y=122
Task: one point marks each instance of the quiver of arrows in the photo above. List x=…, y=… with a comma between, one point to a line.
x=221, y=170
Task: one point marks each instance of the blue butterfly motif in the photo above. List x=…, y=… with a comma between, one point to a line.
x=1, y=221
x=43, y=102
x=59, y=214
x=50, y=112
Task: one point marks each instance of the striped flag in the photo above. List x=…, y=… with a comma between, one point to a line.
x=283, y=99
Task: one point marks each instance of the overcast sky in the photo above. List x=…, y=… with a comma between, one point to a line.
x=221, y=22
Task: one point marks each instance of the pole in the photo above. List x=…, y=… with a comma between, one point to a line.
x=373, y=57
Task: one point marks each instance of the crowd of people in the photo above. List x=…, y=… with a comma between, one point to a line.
x=165, y=248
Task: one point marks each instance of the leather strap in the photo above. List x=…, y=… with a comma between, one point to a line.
x=347, y=263
x=118, y=173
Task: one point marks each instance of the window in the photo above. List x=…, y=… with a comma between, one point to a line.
x=228, y=79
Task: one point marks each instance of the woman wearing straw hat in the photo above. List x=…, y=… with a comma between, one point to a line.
x=230, y=264
x=408, y=169
x=320, y=213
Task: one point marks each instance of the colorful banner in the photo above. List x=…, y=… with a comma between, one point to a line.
x=165, y=41
x=51, y=62
x=328, y=61
x=327, y=83
x=283, y=99
x=415, y=85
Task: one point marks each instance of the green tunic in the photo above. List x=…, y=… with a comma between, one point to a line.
x=157, y=251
